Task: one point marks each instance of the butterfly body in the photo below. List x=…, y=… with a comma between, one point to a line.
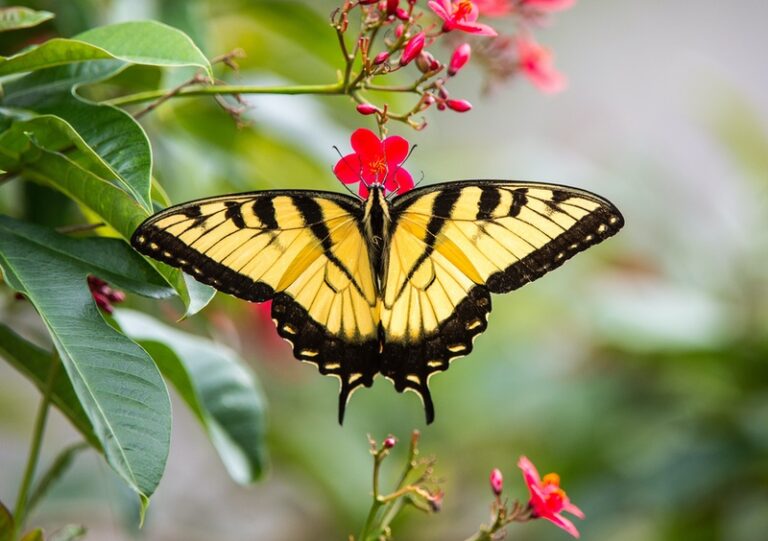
x=368, y=287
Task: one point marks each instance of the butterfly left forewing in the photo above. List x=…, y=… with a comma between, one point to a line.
x=303, y=250
x=453, y=244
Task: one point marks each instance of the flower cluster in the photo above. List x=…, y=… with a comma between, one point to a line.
x=547, y=501
x=394, y=35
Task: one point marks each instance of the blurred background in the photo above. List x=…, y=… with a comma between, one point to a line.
x=638, y=371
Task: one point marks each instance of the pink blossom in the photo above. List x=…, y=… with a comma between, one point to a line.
x=502, y=8
x=536, y=63
x=548, y=500
x=460, y=15
x=548, y=6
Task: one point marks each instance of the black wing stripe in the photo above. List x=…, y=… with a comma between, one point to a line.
x=490, y=197
x=264, y=209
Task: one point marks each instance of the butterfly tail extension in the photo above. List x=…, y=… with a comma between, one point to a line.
x=354, y=363
x=410, y=364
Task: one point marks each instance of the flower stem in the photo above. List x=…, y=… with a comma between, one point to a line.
x=377, y=502
x=140, y=97
x=19, y=514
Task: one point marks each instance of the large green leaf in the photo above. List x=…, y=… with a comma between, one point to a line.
x=215, y=384
x=115, y=380
x=141, y=42
x=113, y=205
x=112, y=134
x=54, y=133
x=14, y=18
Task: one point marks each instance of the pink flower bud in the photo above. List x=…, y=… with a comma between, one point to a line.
x=413, y=48
x=399, y=31
x=497, y=482
x=381, y=58
x=366, y=109
x=441, y=106
x=460, y=106
x=390, y=442
x=459, y=58
x=392, y=6
x=401, y=14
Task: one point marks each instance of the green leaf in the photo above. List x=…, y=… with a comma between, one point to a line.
x=14, y=18
x=35, y=363
x=54, y=133
x=112, y=134
x=113, y=205
x=117, y=383
x=6, y=524
x=33, y=535
x=215, y=384
x=143, y=42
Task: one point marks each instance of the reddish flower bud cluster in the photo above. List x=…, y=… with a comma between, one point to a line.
x=104, y=295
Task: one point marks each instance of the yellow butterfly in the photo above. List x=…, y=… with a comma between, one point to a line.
x=367, y=287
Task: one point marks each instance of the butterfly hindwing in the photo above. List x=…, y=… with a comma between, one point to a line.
x=305, y=251
x=453, y=244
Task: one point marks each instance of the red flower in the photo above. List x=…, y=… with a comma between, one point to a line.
x=495, y=8
x=548, y=500
x=460, y=15
x=536, y=63
x=375, y=162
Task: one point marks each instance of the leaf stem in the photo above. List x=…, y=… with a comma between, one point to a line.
x=20, y=512
x=140, y=97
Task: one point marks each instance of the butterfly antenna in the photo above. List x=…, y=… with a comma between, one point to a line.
x=359, y=173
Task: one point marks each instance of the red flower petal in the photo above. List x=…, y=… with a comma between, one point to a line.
x=562, y=522
x=367, y=145
x=348, y=169
x=362, y=189
x=395, y=150
x=404, y=181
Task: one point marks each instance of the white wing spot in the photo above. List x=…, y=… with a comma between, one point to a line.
x=414, y=378
x=456, y=348
x=289, y=329
x=434, y=364
x=353, y=377
x=602, y=228
x=332, y=366
x=309, y=352
x=474, y=324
